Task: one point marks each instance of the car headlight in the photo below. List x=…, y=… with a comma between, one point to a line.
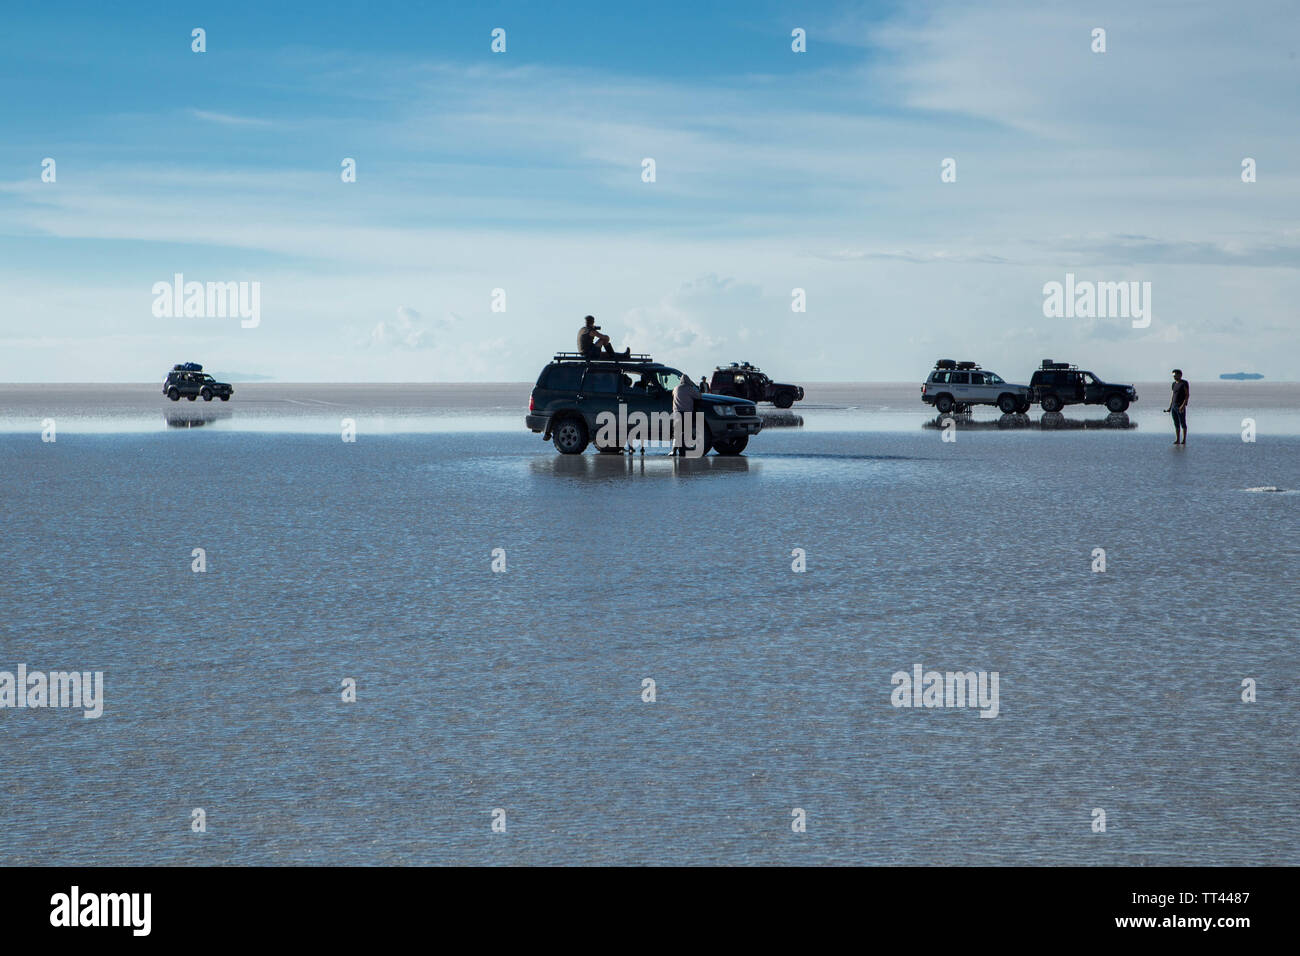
x=727, y=410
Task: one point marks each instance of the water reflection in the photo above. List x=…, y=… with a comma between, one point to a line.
x=780, y=419
x=597, y=466
x=1050, y=421
x=194, y=417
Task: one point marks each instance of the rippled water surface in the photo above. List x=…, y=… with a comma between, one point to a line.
x=522, y=690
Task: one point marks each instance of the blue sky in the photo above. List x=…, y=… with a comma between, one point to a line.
x=522, y=171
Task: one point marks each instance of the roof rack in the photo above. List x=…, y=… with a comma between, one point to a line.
x=636, y=358
x=1049, y=364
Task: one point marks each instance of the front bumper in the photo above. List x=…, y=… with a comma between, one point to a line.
x=731, y=428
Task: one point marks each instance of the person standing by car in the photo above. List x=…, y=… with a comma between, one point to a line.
x=704, y=383
x=594, y=344
x=684, y=397
x=1180, y=391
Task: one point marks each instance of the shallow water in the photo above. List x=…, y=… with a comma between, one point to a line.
x=522, y=690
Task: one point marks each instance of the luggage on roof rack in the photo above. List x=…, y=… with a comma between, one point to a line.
x=945, y=363
x=1049, y=364
x=968, y=365
x=187, y=367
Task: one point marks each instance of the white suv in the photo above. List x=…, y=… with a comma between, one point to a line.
x=956, y=386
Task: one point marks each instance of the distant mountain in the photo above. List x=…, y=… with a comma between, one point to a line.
x=1241, y=376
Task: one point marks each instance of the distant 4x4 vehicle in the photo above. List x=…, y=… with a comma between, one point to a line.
x=1058, y=384
x=189, y=380
x=572, y=391
x=743, y=380
x=956, y=386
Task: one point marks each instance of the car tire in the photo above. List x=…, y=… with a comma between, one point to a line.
x=1117, y=403
x=173, y=394
x=731, y=446
x=570, y=436
x=943, y=403
x=225, y=398
x=1023, y=407
x=782, y=400
x=191, y=397
x=207, y=394
x=1008, y=404
x=1051, y=403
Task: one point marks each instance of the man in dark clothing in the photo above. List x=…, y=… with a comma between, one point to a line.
x=1180, y=391
x=593, y=343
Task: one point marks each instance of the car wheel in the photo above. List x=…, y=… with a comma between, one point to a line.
x=780, y=400
x=570, y=436
x=225, y=398
x=1024, y=407
x=1117, y=403
x=207, y=394
x=191, y=397
x=732, y=446
x=943, y=403
x=1051, y=403
x=1008, y=404
x=173, y=394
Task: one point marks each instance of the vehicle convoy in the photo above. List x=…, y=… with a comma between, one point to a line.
x=572, y=391
x=1057, y=384
x=189, y=380
x=956, y=386
x=743, y=380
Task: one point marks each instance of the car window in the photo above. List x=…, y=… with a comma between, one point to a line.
x=1089, y=378
x=669, y=378
x=960, y=378
x=994, y=379
x=939, y=378
x=600, y=382
x=565, y=378
x=977, y=378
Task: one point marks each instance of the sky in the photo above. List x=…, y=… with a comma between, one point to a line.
x=501, y=196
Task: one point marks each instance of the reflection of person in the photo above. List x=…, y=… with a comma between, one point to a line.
x=1180, y=391
x=592, y=342
x=684, y=396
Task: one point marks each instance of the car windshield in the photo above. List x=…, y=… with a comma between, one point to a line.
x=994, y=379
x=208, y=378
x=1089, y=378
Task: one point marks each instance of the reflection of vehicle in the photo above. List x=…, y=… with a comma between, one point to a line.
x=956, y=386
x=1057, y=384
x=189, y=380
x=745, y=381
x=572, y=391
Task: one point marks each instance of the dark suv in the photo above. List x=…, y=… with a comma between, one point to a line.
x=743, y=380
x=572, y=391
x=1058, y=384
x=189, y=380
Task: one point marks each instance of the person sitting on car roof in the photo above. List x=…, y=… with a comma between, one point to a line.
x=594, y=344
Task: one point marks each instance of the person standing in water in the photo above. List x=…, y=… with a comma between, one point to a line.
x=684, y=397
x=1180, y=391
